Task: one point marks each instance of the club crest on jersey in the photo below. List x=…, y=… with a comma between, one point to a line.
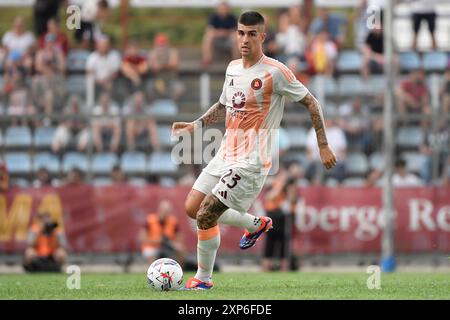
x=256, y=84
x=238, y=100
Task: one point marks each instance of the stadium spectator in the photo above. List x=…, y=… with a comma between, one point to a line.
x=279, y=203
x=270, y=46
x=220, y=34
x=134, y=66
x=412, y=95
x=93, y=13
x=436, y=147
x=74, y=177
x=43, y=11
x=297, y=172
x=117, y=174
x=368, y=14
x=4, y=177
x=332, y=23
x=445, y=91
x=336, y=138
x=43, y=178
x=163, y=63
x=46, y=245
x=20, y=104
x=446, y=173
x=61, y=39
x=403, y=178
x=17, y=46
x=141, y=130
x=372, y=52
x=291, y=38
x=106, y=128
x=423, y=10
x=161, y=236
x=322, y=54
x=73, y=129
x=104, y=65
x=48, y=87
x=355, y=121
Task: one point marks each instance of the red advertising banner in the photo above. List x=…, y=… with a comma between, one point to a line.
x=328, y=220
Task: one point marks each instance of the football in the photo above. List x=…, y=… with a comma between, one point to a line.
x=165, y=275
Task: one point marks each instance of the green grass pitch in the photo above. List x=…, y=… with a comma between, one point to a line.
x=232, y=286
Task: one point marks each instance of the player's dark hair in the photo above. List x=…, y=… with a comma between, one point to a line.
x=251, y=18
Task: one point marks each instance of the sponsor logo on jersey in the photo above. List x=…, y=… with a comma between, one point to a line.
x=238, y=100
x=256, y=84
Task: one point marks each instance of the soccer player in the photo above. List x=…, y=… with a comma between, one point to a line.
x=252, y=100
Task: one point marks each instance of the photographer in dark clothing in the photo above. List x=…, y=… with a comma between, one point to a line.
x=46, y=248
x=280, y=203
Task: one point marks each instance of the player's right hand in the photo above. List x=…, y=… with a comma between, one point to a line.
x=178, y=128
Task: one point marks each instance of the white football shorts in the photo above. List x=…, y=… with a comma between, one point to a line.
x=237, y=188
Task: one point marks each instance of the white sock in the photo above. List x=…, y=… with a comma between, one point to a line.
x=207, y=245
x=237, y=219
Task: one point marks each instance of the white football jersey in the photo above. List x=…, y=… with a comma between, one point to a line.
x=254, y=99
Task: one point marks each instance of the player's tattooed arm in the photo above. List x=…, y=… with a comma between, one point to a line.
x=316, y=114
x=215, y=114
x=315, y=110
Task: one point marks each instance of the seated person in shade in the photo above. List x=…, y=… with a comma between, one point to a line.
x=4, y=177
x=117, y=174
x=220, y=34
x=106, y=128
x=163, y=63
x=403, y=178
x=46, y=245
x=413, y=96
x=445, y=90
x=141, y=130
x=161, y=236
x=134, y=65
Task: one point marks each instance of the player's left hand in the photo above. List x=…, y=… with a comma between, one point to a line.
x=328, y=157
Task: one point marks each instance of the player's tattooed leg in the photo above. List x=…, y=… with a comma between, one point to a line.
x=209, y=212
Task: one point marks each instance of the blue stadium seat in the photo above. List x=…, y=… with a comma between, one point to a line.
x=74, y=160
x=329, y=84
x=297, y=136
x=76, y=84
x=76, y=60
x=46, y=160
x=164, y=135
x=410, y=137
x=354, y=182
x=164, y=107
x=138, y=182
x=161, y=162
x=376, y=161
x=409, y=61
x=133, y=162
x=43, y=137
x=356, y=164
x=20, y=182
x=414, y=161
x=375, y=84
x=299, y=157
x=103, y=162
x=435, y=61
x=101, y=181
x=18, y=137
x=18, y=162
x=351, y=85
x=349, y=61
